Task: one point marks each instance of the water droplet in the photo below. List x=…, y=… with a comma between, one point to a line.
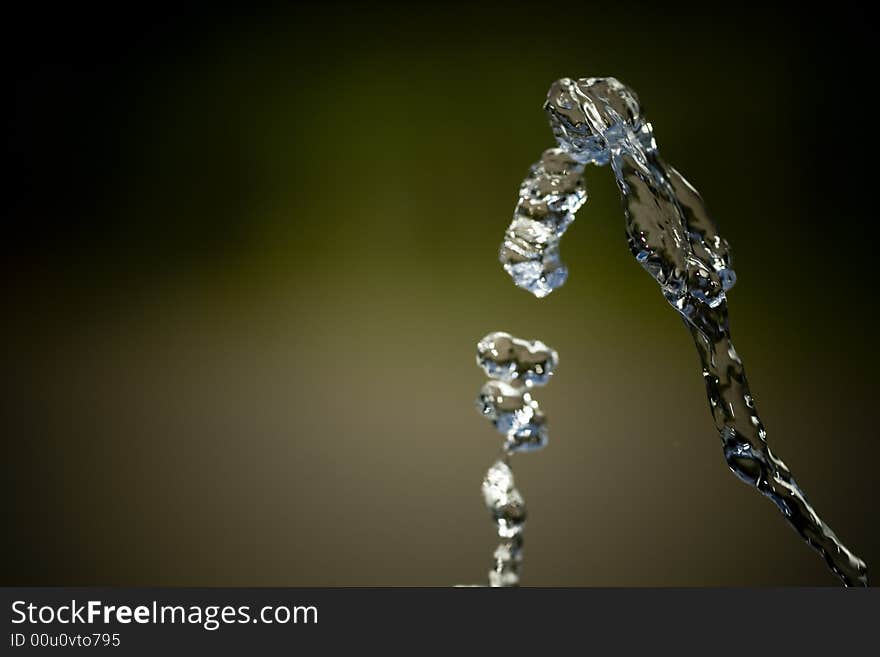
x=507, y=358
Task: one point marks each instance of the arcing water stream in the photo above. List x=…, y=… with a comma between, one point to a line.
x=599, y=121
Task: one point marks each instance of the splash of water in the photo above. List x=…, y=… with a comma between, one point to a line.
x=548, y=199
x=507, y=358
x=515, y=414
x=514, y=367
x=508, y=509
x=599, y=121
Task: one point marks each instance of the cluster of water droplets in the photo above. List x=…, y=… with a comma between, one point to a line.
x=548, y=199
x=508, y=509
x=515, y=367
x=599, y=121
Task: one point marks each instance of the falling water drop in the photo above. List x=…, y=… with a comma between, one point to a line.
x=515, y=367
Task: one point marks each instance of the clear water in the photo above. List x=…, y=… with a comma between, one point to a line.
x=548, y=199
x=599, y=121
x=514, y=367
x=510, y=359
x=508, y=510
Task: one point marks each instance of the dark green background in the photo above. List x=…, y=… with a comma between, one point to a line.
x=248, y=258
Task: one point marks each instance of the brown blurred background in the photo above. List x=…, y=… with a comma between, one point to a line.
x=248, y=258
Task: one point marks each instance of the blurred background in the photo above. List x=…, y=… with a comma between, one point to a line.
x=248, y=258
